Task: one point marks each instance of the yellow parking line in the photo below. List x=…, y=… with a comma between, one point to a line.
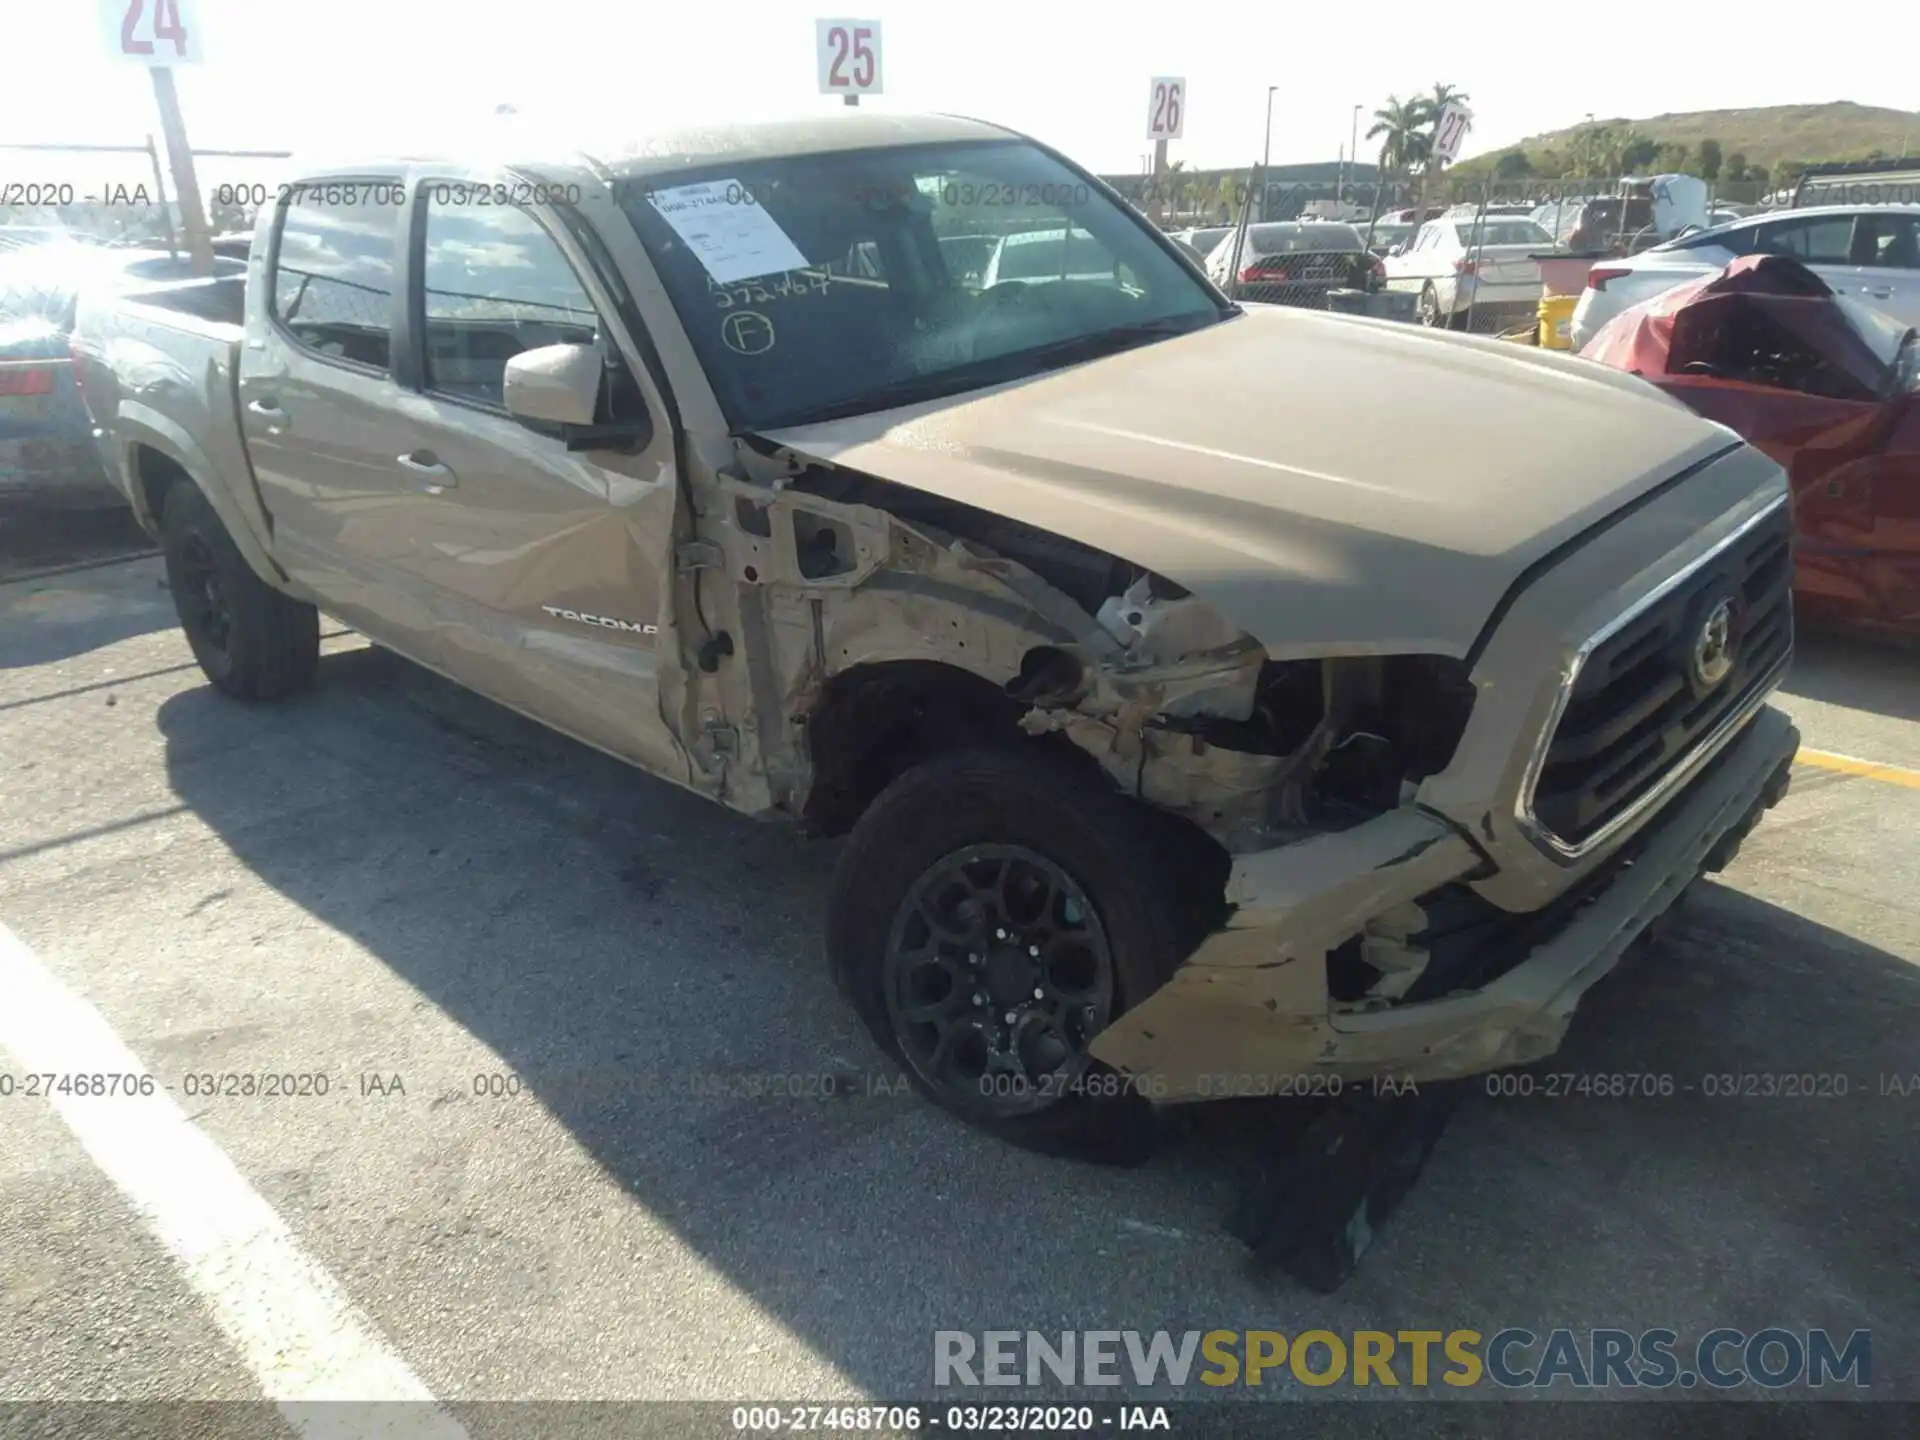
x=1865, y=769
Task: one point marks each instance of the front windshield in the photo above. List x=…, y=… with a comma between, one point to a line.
x=834, y=284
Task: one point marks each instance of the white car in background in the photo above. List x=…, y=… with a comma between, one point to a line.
x=1455, y=266
x=1040, y=256
x=1869, y=253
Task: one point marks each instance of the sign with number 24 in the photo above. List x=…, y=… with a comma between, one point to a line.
x=152, y=32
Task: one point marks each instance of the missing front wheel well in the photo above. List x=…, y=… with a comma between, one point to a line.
x=873, y=723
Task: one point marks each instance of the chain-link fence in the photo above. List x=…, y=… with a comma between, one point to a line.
x=1483, y=276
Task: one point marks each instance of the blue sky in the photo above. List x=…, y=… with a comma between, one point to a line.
x=295, y=74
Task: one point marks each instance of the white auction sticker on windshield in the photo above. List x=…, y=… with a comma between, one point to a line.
x=727, y=230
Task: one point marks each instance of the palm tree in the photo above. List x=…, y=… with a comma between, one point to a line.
x=1398, y=125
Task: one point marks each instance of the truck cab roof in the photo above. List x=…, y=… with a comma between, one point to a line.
x=620, y=156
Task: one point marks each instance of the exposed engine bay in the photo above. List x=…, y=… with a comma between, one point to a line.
x=1180, y=708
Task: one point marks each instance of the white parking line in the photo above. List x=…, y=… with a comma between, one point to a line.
x=291, y=1322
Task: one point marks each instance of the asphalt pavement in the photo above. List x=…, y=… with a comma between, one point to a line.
x=543, y=989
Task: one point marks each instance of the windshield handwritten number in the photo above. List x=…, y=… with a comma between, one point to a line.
x=854, y=45
x=1450, y=132
x=166, y=26
x=1166, y=109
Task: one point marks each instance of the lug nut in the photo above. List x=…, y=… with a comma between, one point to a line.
x=979, y=999
x=1034, y=951
x=999, y=934
x=1012, y=1016
x=1038, y=993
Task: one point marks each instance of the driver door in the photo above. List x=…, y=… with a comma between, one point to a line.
x=548, y=568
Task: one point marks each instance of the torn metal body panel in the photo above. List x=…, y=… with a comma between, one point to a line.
x=1252, y=1003
x=1325, y=964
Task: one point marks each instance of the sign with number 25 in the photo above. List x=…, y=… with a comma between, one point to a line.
x=847, y=55
x=152, y=32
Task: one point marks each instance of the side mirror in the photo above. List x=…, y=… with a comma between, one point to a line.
x=558, y=384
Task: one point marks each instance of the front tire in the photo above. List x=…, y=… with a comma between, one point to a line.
x=990, y=914
x=251, y=641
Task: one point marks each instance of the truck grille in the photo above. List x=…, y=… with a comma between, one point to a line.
x=1646, y=697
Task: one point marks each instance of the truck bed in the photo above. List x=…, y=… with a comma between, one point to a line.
x=220, y=304
x=159, y=369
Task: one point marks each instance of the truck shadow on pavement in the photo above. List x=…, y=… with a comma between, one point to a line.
x=641, y=959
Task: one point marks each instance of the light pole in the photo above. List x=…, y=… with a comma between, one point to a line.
x=1353, y=145
x=1266, y=152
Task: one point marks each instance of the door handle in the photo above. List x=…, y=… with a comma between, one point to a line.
x=275, y=417
x=427, y=466
x=1881, y=294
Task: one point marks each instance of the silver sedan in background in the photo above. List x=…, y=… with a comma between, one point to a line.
x=47, y=454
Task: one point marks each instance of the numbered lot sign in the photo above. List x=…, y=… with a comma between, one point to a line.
x=152, y=32
x=1451, y=130
x=1167, y=107
x=847, y=53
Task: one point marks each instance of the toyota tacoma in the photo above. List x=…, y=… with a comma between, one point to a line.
x=1212, y=700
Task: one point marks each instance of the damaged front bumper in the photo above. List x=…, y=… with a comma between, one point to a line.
x=1250, y=1013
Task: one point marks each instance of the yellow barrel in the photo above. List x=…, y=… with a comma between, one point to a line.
x=1556, y=321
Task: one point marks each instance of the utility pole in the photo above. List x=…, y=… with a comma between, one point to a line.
x=1266, y=152
x=186, y=186
x=1353, y=144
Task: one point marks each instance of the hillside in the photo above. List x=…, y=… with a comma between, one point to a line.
x=1769, y=135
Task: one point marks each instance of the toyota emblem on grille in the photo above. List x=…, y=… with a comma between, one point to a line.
x=1713, y=647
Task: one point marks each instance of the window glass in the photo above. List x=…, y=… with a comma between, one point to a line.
x=496, y=284
x=1504, y=232
x=1053, y=254
x=1740, y=240
x=853, y=281
x=1894, y=241
x=333, y=278
x=1824, y=241
x=1282, y=237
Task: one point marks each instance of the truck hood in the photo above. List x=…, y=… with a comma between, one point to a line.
x=1329, y=485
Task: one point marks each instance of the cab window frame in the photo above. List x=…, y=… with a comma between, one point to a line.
x=419, y=371
x=397, y=274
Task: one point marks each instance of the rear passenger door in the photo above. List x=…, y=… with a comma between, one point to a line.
x=321, y=410
x=1824, y=244
x=549, y=567
x=1888, y=245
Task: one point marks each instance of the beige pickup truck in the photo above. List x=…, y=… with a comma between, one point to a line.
x=1214, y=701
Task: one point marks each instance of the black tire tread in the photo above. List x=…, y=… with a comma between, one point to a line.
x=1004, y=794
x=274, y=651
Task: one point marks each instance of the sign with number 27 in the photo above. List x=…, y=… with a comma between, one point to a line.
x=152, y=32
